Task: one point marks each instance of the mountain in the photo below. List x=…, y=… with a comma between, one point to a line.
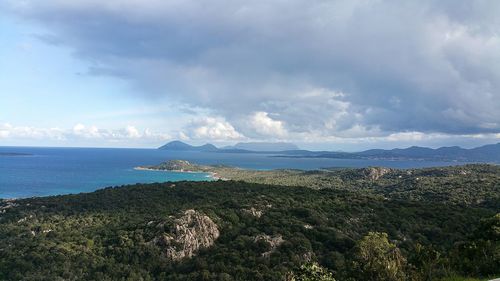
x=181, y=146
x=263, y=146
x=453, y=153
x=242, y=147
x=486, y=153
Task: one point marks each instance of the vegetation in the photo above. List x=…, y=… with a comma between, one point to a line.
x=468, y=184
x=310, y=272
x=364, y=226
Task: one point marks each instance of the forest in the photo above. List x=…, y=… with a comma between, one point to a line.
x=333, y=224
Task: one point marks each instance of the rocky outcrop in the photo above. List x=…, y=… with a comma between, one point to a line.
x=188, y=234
x=374, y=173
x=254, y=212
x=274, y=242
x=257, y=211
x=7, y=204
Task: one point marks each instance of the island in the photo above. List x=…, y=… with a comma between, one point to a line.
x=14, y=154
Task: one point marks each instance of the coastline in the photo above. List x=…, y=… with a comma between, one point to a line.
x=211, y=175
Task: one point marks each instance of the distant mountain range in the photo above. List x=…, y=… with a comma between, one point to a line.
x=263, y=146
x=486, y=153
x=242, y=147
x=182, y=146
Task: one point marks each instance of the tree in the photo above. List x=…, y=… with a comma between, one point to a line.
x=428, y=263
x=378, y=259
x=481, y=254
x=310, y=272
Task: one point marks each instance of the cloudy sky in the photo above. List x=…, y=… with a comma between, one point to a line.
x=338, y=75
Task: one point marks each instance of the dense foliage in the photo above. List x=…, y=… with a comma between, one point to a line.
x=441, y=225
x=468, y=184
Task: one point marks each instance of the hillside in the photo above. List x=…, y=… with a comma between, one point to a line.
x=234, y=230
x=467, y=184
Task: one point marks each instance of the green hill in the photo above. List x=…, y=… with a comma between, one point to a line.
x=396, y=229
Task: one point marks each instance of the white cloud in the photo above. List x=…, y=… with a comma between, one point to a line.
x=210, y=128
x=87, y=132
x=9, y=131
x=5, y=130
x=79, y=131
x=132, y=132
x=264, y=125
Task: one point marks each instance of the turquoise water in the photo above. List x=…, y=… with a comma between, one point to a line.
x=53, y=171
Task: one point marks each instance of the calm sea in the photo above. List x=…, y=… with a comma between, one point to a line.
x=53, y=171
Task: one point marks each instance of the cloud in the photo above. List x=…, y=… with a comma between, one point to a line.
x=5, y=130
x=132, y=132
x=339, y=68
x=81, y=130
x=78, y=132
x=209, y=128
x=9, y=131
x=264, y=125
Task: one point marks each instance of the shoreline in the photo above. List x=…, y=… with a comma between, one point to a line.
x=212, y=175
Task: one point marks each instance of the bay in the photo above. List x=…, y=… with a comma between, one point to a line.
x=37, y=171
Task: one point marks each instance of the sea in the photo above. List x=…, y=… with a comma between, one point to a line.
x=35, y=171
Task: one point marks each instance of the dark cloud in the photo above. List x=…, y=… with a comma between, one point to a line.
x=342, y=68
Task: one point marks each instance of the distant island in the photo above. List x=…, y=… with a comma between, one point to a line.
x=241, y=147
x=487, y=153
x=14, y=154
x=263, y=146
x=181, y=146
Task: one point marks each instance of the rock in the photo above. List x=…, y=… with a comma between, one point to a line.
x=274, y=242
x=7, y=204
x=307, y=256
x=254, y=212
x=374, y=173
x=189, y=233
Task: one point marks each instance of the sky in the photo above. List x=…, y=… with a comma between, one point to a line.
x=331, y=75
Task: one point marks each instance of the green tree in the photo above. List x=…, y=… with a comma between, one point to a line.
x=378, y=259
x=428, y=263
x=310, y=272
x=481, y=254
